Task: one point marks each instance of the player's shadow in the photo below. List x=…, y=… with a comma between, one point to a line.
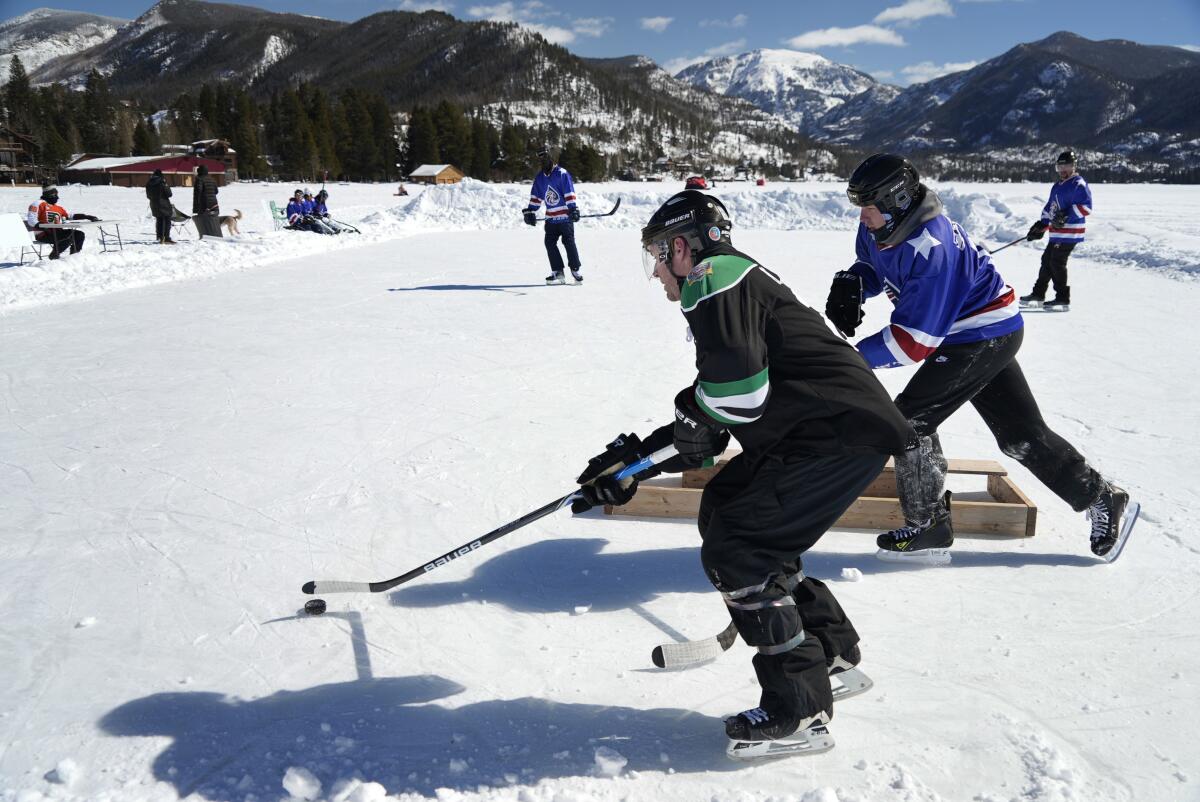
x=487, y=287
x=386, y=731
x=560, y=575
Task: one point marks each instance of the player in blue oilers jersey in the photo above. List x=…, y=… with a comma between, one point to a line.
x=1065, y=216
x=553, y=186
x=954, y=315
x=815, y=427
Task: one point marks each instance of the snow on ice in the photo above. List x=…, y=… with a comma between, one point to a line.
x=191, y=433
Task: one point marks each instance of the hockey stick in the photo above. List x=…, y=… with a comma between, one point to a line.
x=689, y=653
x=609, y=213
x=1009, y=245
x=339, y=586
x=346, y=225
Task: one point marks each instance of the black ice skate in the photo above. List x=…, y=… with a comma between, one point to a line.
x=755, y=734
x=575, y=274
x=1112, y=518
x=1057, y=305
x=555, y=278
x=927, y=543
x=1032, y=301
x=844, y=668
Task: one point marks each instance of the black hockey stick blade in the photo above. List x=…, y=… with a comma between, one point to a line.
x=692, y=652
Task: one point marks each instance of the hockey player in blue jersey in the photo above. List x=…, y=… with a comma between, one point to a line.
x=1065, y=215
x=954, y=315
x=553, y=186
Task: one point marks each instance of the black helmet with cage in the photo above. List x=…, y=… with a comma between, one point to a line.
x=889, y=183
x=700, y=219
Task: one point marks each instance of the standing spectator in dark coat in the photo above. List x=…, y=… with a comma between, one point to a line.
x=204, y=204
x=159, y=195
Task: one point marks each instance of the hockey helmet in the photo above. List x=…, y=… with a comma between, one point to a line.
x=700, y=219
x=1066, y=157
x=889, y=183
x=49, y=193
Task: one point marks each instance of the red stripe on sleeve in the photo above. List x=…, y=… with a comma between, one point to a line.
x=915, y=350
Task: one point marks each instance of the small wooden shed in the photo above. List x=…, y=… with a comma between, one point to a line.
x=436, y=174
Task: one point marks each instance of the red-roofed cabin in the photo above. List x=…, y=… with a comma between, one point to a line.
x=135, y=171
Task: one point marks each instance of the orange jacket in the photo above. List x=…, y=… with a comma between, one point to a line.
x=51, y=213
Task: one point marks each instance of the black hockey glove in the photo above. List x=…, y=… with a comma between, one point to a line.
x=1059, y=219
x=598, y=483
x=697, y=436
x=530, y=217
x=573, y=214
x=844, y=306
x=82, y=216
x=1037, y=230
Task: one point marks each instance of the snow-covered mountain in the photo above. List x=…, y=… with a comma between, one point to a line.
x=797, y=86
x=47, y=34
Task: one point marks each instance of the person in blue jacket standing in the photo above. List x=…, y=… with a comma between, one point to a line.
x=553, y=186
x=1065, y=216
x=954, y=315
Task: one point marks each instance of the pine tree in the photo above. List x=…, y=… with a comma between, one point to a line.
x=422, y=140
x=19, y=98
x=97, y=123
x=144, y=143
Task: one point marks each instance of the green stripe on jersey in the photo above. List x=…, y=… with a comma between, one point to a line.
x=735, y=402
x=713, y=276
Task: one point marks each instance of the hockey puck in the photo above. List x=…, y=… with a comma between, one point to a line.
x=314, y=606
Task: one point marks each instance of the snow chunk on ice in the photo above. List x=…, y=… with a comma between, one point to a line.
x=301, y=783
x=65, y=773
x=580, y=609
x=609, y=762
x=357, y=791
x=852, y=575
x=457, y=765
x=84, y=623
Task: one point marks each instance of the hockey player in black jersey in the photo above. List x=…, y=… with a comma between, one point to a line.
x=815, y=427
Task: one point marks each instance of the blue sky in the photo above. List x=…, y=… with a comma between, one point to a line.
x=899, y=41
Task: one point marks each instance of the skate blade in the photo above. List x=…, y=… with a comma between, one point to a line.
x=812, y=741
x=1031, y=304
x=1127, y=523
x=920, y=557
x=853, y=682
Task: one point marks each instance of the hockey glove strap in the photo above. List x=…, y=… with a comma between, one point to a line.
x=530, y=218
x=844, y=306
x=599, y=486
x=697, y=436
x=1037, y=230
x=574, y=215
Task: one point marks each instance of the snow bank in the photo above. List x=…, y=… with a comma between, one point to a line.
x=1128, y=228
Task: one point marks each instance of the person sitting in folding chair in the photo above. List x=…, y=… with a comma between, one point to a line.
x=48, y=212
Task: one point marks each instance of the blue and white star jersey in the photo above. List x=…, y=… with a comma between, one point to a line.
x=557, y=190
x=1073, y=200
x=945, y=290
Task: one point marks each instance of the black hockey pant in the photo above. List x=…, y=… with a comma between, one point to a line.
x=162, y=228
x=565, y=230
x=986, y=374
x=1054, y=269
x=61, y=239
x=756, y=521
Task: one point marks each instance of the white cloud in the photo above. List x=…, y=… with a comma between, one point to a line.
x=738, y=21
x=1193, y=48
x=913, y=10
x=727, y=49
x=883, y=75
x=591, y=26
x=844, y=37
x=526, y=15
x=656, y=24
x=927, y=70
x=419, y=5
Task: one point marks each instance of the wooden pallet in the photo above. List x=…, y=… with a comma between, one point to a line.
x=1000, y=510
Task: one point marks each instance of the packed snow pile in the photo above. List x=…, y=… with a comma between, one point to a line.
x=1132, y=226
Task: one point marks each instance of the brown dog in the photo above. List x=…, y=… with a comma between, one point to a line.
x=230, y=221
